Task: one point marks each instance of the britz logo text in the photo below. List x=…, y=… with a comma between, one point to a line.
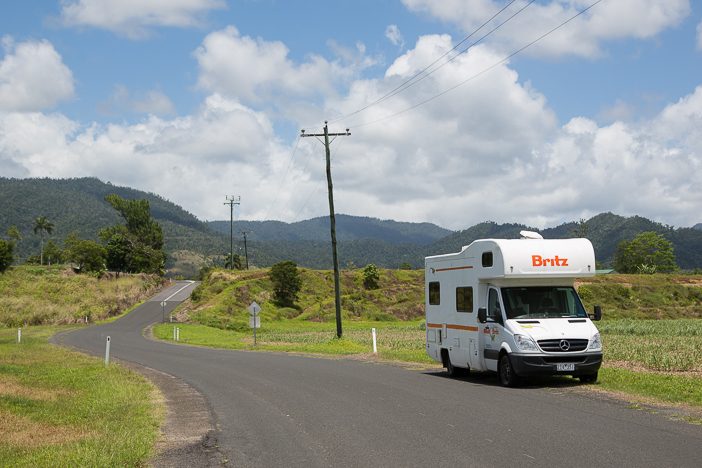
x=539, y=261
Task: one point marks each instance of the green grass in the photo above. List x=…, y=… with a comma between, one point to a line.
x=41, y=295
x=62, y=408
x=667, y=388
x=398, y=341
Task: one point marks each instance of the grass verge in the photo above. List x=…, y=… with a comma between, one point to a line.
x=62, y=408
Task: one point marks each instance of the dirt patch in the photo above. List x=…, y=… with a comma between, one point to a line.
x=10, y=386
x=23, y=432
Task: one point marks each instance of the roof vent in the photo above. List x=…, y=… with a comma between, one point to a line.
x=530, y=235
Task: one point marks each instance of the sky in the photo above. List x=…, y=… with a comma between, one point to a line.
x=460, y=111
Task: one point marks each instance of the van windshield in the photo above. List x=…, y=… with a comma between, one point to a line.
x=542, y=302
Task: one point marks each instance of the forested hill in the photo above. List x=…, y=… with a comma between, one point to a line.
x=697, y=226
x=347, y=228
x=78, y=205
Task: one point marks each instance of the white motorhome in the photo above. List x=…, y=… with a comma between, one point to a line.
x=510, y=306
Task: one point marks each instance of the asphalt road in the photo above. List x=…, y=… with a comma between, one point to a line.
x=284, y=410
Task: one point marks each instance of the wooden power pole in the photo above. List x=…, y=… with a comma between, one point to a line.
x=332, y=221
x=231, y=201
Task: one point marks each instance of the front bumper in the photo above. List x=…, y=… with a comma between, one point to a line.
x=526, y=365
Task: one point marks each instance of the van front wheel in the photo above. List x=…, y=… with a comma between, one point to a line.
x=507, y=376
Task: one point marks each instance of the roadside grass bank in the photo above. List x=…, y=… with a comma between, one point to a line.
x=659, y=359
x=62, y=408
x=54, y=295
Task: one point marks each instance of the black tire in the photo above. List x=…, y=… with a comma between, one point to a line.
x=508, y=378
x=451, y=370
x=588, y=378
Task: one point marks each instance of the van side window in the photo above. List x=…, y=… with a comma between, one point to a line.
x=464, y=299
x=434, y=293
x=487, y=259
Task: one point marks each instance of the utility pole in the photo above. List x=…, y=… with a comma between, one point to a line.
x=231, y=201
x=246, y=252
x=332, y=220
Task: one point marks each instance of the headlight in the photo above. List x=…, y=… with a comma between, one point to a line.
x=595, y=343
x=524, y=343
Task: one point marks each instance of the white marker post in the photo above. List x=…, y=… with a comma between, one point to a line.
x=178, y=334
x=254, y=320
x=174, y=333
x=19, y=335
x=107, y=352
x=375, y=345
x=163, y=311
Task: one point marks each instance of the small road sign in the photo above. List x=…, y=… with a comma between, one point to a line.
x=254, y=308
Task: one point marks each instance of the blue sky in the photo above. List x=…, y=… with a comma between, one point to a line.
x=213, y=92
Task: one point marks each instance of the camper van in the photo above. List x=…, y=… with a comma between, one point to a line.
x=510, y=306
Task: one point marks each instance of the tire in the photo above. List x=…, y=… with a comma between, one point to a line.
x=508, y=378
x=588, y=379
x=451, y=370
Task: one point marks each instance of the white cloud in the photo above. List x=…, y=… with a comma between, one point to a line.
x=640, y=19
x=392, y=32
x=134, y=18
x=254, y=69
x=490, y=150
x=152, y=102
x=23, y=76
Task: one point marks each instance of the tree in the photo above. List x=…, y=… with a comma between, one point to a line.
x=15, y=237
x=6, y=254
x=89, y=256
x=53, y=253
x=137, y=246
x=42, y=225
x=581, y=229
x=648, y=252
x=286, y=283
x=371, y=276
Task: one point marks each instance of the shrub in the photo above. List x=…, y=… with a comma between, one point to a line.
x=6, y=254
x=286, y=283
x=371, y=277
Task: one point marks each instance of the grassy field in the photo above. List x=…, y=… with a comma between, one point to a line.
x=35, y=295
x=62, y=408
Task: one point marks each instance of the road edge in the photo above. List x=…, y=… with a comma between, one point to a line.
x=187, y=433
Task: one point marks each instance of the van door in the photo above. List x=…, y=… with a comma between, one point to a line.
x=492, y=331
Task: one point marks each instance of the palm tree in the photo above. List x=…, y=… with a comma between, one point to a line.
x=42, y=225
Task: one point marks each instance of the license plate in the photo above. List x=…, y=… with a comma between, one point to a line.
x=565, y=366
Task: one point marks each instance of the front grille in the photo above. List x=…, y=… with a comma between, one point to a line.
x=564, y=345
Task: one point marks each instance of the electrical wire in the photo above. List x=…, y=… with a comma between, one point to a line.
x=315, y=190
x=285, y=176
x=426, y=71
x=480, y=73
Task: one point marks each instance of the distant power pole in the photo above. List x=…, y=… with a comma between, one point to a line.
x=246, y=252
x=231, y=201
x=332, y=220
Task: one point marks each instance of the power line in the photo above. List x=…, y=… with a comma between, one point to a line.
x=315, y=190
x=285, y=176
x=480, y=73
x=425, y=71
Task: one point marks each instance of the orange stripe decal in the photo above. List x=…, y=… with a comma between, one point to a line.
x=467, y=267
x=453, y=326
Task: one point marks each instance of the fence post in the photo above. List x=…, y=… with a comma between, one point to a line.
x=375, y=345
x=19, y=335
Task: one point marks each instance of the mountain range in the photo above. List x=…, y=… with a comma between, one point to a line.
x=78, y=205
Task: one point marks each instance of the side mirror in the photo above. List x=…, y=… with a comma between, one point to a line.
x=482, y=315
x=597, y=315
